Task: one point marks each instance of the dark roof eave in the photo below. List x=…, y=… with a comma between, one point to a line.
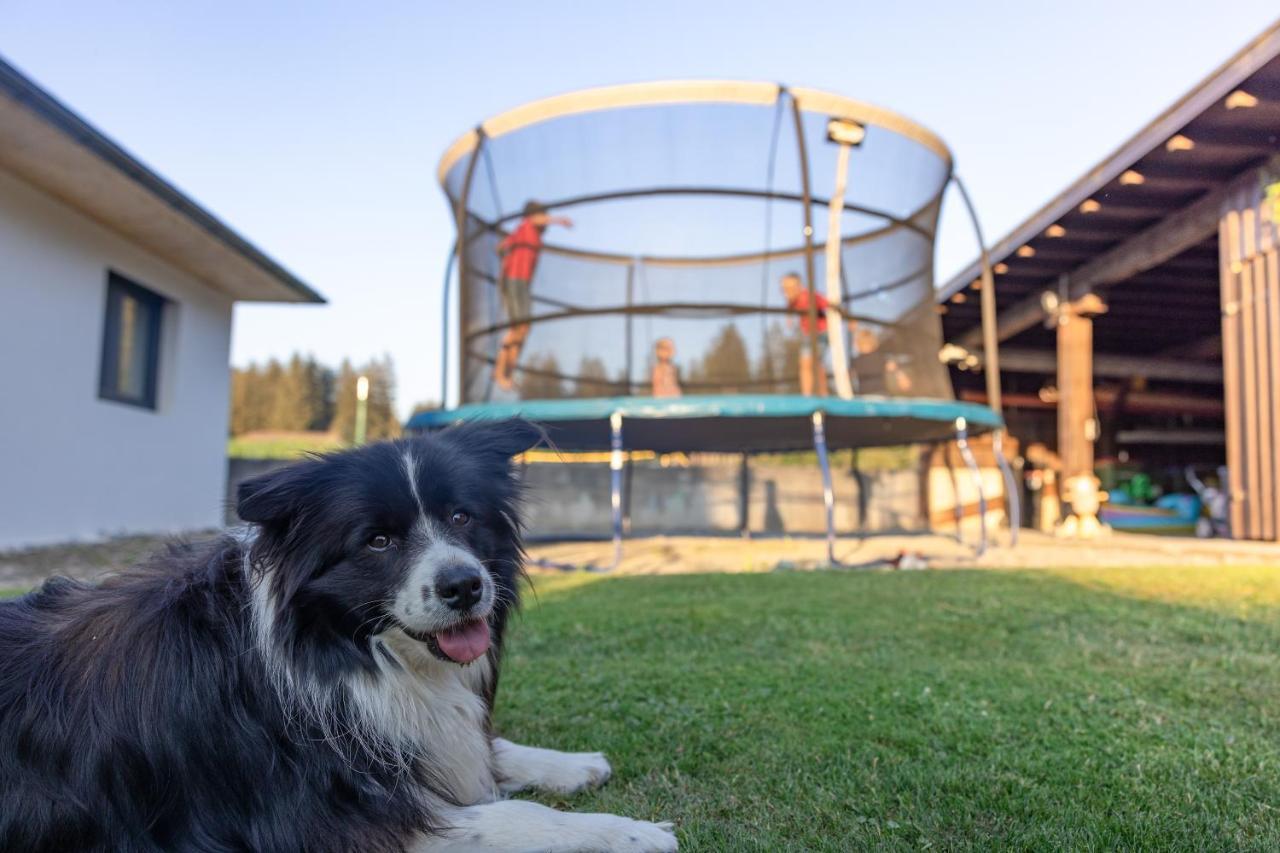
x=1209, y=91
x=59, y=116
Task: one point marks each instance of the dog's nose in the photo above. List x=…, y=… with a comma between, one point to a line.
x=459, y=587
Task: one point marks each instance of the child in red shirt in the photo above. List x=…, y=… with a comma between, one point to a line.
x=519, y=252
x=797, y=297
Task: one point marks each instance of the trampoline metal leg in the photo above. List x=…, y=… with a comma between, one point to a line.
x=966, y=453
x=828, y=494
x=1012, y=494
x=616, y=466
x=615, y=476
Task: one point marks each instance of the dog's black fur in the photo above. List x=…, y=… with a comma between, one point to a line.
x=144, y=713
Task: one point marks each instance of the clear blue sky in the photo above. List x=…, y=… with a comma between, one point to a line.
x=314, y=128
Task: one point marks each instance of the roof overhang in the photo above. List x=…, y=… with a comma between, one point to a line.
x=1205, y=113
x=47, y=145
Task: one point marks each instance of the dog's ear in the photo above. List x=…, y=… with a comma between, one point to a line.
x=498, y=440
x=274, y=496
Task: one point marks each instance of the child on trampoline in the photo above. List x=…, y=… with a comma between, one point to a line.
x=797, y=296
x=519, y=253
x=665, y=377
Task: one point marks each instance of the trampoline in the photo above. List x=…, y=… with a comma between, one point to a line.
x=704, y=266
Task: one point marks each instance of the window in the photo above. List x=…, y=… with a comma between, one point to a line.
x=131, y=343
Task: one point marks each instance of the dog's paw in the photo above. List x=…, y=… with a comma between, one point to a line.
x=575, y=771
x=640, y=836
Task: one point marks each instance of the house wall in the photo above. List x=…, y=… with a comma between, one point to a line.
x=74, y=466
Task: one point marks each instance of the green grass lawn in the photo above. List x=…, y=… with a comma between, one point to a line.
x=281, y=445
x=1120, y=709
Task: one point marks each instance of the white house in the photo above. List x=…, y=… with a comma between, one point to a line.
x=115, y=326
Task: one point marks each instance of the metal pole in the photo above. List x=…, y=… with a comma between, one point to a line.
x=966, y=453
x=828, y=493
x=615, y=468
x=460, y=224
x=1012, y=493
x=835, y=320
x=810, y=273
x=990, y=328
x=627, y=360
x=444, y=328
x=362, y=410
x=744, y=496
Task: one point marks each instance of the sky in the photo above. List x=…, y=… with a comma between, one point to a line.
x=314, y=128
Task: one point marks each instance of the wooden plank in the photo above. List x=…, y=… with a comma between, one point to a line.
x=1271, y=261
x=1249, y=377
x=1263, y=340
x=1228, y=250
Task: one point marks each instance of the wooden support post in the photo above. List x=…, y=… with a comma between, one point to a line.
x=1077, y=421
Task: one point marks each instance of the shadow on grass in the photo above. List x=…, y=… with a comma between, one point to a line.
x=965, y=709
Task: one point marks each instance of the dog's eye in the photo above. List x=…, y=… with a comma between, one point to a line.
x=379, y=542
x=460, y=519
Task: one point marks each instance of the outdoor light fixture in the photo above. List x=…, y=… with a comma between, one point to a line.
x=959, y=298
x=1090, y=206
x=1240, y=99
x=952, y=354
x=1049, y=302
x=1000, y=268
x=843, y=131
x=1131, y=178
x=976, y=284
x=941, y=309
x=1026, y=252
x=1055, y=231
x=1179, y=143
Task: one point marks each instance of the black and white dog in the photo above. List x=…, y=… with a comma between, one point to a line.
x=319, y=681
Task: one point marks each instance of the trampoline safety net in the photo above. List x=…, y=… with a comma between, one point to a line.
x=669, y=238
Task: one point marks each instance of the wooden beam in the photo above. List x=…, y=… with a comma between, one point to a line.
x=1020, y=360
x=1170, y=436
x=1260, y=139
x=1165, y=240
x=1207, y=349
x=1135, y=402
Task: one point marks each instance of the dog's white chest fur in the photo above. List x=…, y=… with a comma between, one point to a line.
x=435, y=706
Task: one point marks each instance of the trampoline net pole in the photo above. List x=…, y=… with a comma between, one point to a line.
x=615, y=485
x=828, y=493
x=1013, y=496
x=835, y=294
x=444, y=328
x=966, y=453
x=991, y=363
x=990, y=325
x=461, y=217
x=811, y=319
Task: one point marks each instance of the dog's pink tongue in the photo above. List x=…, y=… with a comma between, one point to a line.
x=466, y=642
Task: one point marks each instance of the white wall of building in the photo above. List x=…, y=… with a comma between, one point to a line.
x=74, y=466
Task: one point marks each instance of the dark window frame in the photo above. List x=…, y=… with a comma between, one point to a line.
x=119, y=286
